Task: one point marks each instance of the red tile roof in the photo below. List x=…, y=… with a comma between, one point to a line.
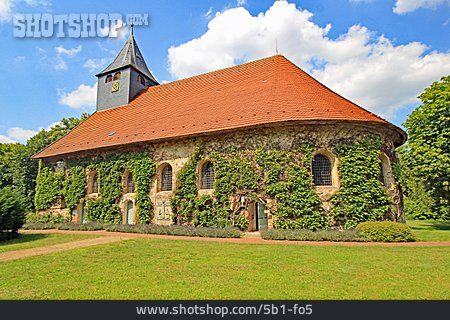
x=266, y=91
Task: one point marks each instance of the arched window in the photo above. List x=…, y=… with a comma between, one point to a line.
x=130, y=183
x=207, y=177
x=141, y=79
x=108, y=78
x=381, y=173
x=95, y=183
x=117, y=75
x=321, y=170
x=166, y=178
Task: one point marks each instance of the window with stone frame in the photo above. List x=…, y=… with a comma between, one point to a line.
x=108, y=78
x=130, y=183
x=381, y=174
x=166, y=178
x=207, y=176
x=321, y=170
x=94, y=184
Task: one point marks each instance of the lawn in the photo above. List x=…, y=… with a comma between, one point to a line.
x=33, y=240
x=430, y=230
x=180, y=269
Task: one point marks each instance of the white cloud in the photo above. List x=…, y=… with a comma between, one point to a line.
x=5, y=139
x=95, y=64
x=39, y=3
x=60, y=63
x=69, y=53
x=82, y=97
x=7, y=7
x=20, y=134
x=5, y=10
x=405, y=6
x=117, y=30
x=208, y=13
x=371, y=71
x=241, y=2
x=50, y=126
x=19, y=59
x=17, y=134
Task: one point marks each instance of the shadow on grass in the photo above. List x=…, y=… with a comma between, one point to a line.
x=24, y=238
x=431, y=225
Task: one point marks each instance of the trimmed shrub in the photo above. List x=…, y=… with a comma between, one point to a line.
x=174, y=230
x=89, y=226
x=40, y=226
x=385, y=231
x=177, y=230
x=308, y=235
x=12, y=215
x=45, y=218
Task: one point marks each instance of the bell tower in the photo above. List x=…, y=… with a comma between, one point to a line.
x=124, y=78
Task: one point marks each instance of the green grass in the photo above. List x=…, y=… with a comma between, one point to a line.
x=179, y=269
x=430, y=230
x=33, y=240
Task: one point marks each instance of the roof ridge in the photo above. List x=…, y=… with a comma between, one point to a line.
x=217, y=71
x=179, y=81
x=257, y=93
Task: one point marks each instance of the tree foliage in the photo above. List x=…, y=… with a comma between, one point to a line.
x=427, y=154
x=11, y=212
x=18, y=169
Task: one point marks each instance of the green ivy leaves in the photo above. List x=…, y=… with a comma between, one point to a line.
x=49, y=186
x=361, y=196
x=110, y=168
x=288, y=180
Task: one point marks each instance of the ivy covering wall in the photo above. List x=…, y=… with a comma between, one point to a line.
x=287, y=179
x=280, y=175
x=361, y=196
x=48, y=186
x=72, y=186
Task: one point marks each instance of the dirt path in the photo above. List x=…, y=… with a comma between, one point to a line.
x=25, y=253
x=250, y=240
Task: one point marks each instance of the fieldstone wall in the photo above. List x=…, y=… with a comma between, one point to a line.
x=322, y=135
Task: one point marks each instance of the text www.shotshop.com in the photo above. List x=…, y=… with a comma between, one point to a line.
x=262, y=309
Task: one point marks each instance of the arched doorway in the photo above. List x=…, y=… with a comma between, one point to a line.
x=130, y=212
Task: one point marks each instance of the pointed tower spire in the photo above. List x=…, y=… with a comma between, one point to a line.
x=125, y=77
x=129, y=56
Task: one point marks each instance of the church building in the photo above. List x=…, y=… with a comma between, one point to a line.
x=268, y=104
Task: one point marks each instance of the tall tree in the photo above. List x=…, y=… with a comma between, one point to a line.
x=18, y=169
x=428, y=151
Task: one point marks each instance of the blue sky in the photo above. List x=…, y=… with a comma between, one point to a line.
x=379, y=53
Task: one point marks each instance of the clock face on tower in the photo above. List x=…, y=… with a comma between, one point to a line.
x=115, y=87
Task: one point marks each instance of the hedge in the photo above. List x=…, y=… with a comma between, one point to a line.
x=385, y=231
x=175, y=230
x=308, y=235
